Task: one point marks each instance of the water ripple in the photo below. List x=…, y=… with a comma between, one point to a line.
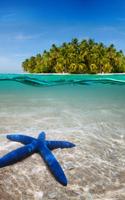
x=39, y=81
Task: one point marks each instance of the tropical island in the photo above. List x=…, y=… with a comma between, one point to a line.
x=86, y=56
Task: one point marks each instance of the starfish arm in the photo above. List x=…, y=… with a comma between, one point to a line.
x=53, y=164
x=18, y=154
x=59, y=144
x=24, y=139
x=42, y=136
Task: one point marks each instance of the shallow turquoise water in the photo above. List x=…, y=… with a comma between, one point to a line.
x=88, y=110
x=67, y=101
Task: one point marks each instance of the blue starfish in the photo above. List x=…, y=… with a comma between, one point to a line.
x=43, y=147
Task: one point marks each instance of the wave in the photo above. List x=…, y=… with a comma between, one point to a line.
x=79, y=80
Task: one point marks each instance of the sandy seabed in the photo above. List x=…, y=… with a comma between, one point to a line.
x=95, y=168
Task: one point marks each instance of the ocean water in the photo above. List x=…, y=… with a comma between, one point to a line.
x=88, y=110
x=60, y=102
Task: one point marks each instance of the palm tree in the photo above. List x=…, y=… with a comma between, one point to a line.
x=86, y=56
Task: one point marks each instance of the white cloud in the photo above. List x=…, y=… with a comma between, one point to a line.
x=22, y=37
x=121, y=19
x=4, y=60
x=8, y=16
x=107, y=28
x=113, y=30
x=10, y=64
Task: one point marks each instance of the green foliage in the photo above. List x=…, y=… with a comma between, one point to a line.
x=77, y=57
x=93, y=69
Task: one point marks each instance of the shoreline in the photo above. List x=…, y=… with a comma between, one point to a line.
x=102, y=74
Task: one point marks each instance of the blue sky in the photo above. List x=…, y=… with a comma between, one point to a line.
x=27, y=27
